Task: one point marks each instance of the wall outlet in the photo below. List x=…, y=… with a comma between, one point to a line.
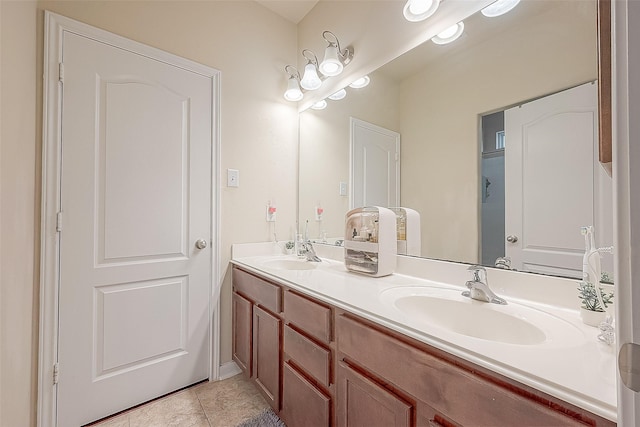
x=319, y=212
x=233, y=178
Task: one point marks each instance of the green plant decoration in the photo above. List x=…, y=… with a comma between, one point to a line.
x=587, y=293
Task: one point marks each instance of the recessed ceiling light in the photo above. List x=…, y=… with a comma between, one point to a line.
x=450, y=34
x=360, y=83
x=320, y=105
x=419, y=10
x=338, y=95
x=499, y=8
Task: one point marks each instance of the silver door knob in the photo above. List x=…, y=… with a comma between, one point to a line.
x=512, y=238
x=201, y=243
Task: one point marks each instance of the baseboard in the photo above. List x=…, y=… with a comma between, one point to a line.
x=228, y=370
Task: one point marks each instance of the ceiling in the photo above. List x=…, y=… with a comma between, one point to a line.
x=292, y=10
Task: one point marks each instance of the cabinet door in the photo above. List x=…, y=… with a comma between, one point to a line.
x=363, y=403
x=242, y=317
x=303, y=404
x=266, y=355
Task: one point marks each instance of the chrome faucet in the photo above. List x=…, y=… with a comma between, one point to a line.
x=309, y=252
x=479, y=287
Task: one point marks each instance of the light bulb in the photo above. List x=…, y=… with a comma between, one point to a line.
x=361, y=82
x=419, y=10
x=331, y=65
x=499, y=8
x=450, y=34
x=310, y=80
x=338, y=95
x=320, y=105
x=293, y=92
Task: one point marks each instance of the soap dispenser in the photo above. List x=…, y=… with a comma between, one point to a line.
x=370, y=241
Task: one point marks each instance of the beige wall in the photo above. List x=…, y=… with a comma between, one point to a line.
x=553, y=50
x=19, y=246
x=248, y=43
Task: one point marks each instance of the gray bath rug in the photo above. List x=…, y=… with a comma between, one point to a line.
x=268, y=418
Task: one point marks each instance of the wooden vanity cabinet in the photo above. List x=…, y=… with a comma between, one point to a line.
x=257, y=334
x=440, y=389
x=308, y=383
x=319, y=365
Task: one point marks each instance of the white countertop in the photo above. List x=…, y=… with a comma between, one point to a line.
x=574, y=367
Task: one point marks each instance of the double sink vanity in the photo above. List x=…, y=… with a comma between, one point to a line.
x=330, y=347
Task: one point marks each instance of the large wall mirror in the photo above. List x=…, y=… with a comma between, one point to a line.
x=486, y=157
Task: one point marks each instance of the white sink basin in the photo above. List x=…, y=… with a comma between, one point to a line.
x=447, y=310
x=290, y=264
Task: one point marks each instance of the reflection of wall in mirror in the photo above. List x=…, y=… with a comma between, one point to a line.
x=440, y=113
x=324, y=152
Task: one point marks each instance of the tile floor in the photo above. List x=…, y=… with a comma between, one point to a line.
x=224, y=403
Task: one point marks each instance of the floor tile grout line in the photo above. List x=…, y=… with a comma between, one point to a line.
x=202, y=407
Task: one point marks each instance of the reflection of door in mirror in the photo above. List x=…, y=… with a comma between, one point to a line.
x=554, y=184
x=492, y=191
x=375, y=165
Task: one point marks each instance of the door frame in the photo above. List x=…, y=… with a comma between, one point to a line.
x=55, y=26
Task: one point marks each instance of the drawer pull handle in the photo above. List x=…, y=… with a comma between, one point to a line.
x=434, y=423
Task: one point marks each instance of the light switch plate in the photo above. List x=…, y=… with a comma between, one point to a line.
x=233, y=178
x=343, y=188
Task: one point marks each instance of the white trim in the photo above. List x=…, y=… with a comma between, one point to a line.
x=626, y=131
x=229, y=369
x=55, y=26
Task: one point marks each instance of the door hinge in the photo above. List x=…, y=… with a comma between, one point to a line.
x=61, y=72
x=56, y=374
x=59, y=221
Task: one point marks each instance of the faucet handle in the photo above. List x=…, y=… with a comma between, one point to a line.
x=479, y=273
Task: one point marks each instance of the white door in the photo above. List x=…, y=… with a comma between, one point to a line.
x=554, y=184
x=375, y=165
x=135, y=197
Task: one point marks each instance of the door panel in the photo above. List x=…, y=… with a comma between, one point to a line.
x=553, y=182
x=136, y=195
x=136, y=119
x=375, y=165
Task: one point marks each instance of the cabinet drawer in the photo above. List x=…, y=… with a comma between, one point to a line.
x=260, y=291
x=308, y=315
x=303, y=405
x=439, y=382
x=309, y=355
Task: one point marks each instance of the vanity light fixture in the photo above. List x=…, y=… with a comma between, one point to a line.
x=450, y=34
x=334, y=58
x=293, y=92
x=310, y=79
x=360, y=83
x=499, y=8
x=338, y=95
x=320, y=105
x=419, y=10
